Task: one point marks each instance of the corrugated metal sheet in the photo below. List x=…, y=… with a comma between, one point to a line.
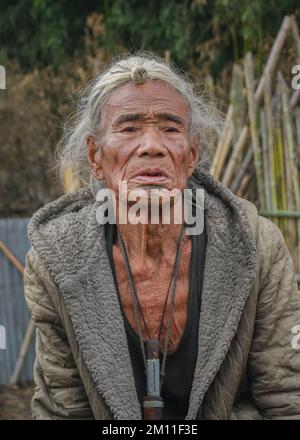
x=14, y=314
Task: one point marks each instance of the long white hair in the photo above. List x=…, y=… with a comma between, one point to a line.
x=71, y=151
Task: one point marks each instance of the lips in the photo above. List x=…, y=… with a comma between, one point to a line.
x=151, y=175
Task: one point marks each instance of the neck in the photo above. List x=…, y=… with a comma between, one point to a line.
x=144, y=242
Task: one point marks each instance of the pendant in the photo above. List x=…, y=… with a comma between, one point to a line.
x=153, y=402
x=153, y=408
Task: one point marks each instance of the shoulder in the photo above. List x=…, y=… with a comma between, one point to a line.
x=49, y=229
x=39, y=289
x=265, y=230
x=58, y=213
x=270, y=243
x=61, y=231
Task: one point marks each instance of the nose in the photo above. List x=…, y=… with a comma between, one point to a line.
x=151, y=144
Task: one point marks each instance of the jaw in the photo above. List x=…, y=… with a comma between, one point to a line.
x=158, y=207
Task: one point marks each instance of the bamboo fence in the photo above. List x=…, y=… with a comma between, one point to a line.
x=258, y=154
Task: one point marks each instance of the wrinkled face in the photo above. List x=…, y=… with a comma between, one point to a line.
x=144, y=139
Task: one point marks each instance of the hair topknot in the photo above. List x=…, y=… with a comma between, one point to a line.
x=138, y=74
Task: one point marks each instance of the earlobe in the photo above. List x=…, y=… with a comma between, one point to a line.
x=93, y=154
x=97, y=171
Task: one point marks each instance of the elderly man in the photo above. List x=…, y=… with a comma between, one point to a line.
x=142, y=320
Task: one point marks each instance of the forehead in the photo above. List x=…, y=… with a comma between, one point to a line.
x=153, y=96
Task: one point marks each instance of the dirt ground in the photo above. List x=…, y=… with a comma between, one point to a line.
x=15, y=401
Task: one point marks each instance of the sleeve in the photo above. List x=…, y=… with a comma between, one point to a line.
x=274, y=359
x=59, y=392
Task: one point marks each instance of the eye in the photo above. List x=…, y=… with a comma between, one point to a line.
x=171, y=129
x=129, y=129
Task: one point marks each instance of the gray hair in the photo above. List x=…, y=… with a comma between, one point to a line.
x=71, y=150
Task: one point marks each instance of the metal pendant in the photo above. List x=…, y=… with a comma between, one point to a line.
x=153, y=402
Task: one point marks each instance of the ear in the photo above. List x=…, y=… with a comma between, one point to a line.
x=94, y=157
x=194, y=154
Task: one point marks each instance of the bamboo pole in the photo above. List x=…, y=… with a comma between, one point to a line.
x=167, y=56
x=238, y=100
x=209, y=86
x=295, y=33
x=238, y=105
x=274, y=55
x=297, y=121
x=266, y=164
x=279, y=155
x=290, y=231
x=243, y=169
x=235, y=156
x=248, y=185
x=245, y=184
x=270, y=141
x=281, y=213
x=71, y=182
x=223, y=146
x=23, y=352
x=252, y=109
x=11, y=257
x=295, y=98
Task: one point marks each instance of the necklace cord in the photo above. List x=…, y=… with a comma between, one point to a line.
x=174, y=278
x=136, y=303
x=134, y=297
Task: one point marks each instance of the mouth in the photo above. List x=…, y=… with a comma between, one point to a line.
x=151, y=175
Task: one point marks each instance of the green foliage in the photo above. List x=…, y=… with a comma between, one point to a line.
x=42, y=32
x=154, y=24
x=38, y=33
x=250, y=21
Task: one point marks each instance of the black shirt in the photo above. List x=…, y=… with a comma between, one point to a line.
x=180, y=365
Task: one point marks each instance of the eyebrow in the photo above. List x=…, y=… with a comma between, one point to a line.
x=133, y=117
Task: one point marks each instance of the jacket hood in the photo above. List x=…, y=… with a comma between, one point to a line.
x=71, y=244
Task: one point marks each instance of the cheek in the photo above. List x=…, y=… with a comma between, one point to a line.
x=182, y=166
x=114, y=158
x=181, y=157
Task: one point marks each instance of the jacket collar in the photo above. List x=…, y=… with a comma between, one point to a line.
x=71, y=244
